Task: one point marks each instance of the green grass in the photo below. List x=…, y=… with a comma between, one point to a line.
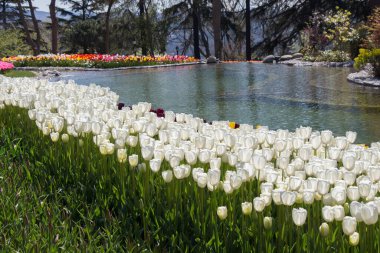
x=19, y=73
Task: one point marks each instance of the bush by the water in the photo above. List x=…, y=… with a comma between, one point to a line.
x=329, y=56
x=371, y=56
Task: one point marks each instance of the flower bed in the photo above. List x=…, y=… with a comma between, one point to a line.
x=95, y=60
x=183, y=184
x=5, y=66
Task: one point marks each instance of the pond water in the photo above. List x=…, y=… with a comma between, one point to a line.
x=278, y=96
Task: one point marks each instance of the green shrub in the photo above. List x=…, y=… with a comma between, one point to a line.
x=329, y=56
x=12, y=43
x=369, y=56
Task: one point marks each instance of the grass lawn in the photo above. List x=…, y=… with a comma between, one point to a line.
x=19, y=73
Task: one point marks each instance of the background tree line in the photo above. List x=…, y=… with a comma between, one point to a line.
x=228, y=29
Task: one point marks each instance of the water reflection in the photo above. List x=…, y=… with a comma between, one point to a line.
x=274, y=95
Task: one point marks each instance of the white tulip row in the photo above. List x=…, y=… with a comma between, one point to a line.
x=293, y=167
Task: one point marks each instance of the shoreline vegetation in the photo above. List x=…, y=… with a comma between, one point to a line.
x=99, y=61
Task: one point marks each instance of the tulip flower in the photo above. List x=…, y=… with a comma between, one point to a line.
x=299, y=216
x=155, y=165
x=259, y=204
x=369, y=214
x=246, y=208
x=328, y=213
x=133, y=160
x=54, y=136
x=122, y=155
x=167, y=175
x=351, y=136
x=288, y=198
x=326, y=137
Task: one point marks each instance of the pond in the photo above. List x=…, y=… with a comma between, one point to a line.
x=278, y=96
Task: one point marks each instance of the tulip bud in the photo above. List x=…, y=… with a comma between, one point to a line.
x=268, y=222
x=222, y=212
x=324, y=229
x=354, y=239
x=65, y=138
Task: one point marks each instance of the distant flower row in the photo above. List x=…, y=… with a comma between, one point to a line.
x=95, y=60
x=4, y=66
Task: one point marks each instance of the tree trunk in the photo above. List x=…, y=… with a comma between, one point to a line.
x=25, y=27
x=107, y=35
x=54, y=27
x=216, y=21
x=197, y=53
x=36, y=27
x=248, y=30
x=4, y=11
x=144, y=50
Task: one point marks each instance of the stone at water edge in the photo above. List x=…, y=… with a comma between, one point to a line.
x=269, y=59
x=286, y=57
x=297, y=56
x=211, y=59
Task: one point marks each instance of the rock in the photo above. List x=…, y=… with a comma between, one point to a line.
x=286, y=57
x=297, y=56
x=364, y=78
x=211, y=59
x=269, y=59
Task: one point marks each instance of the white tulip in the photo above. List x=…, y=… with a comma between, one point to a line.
x=349, y=225
x=259, y=204
x=351, y=136
x=299, y=216
x=326, y=137
x=338, y=213
x=328, y=213
x=121, y=155
x=133, y=160
x=246, y=208
x=155, y=165
x=288, y=198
